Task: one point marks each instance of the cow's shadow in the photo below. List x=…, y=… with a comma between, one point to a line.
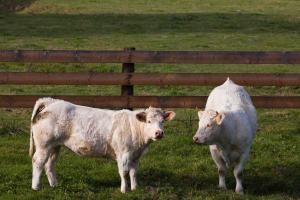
x=96, y=185
x=287, y=183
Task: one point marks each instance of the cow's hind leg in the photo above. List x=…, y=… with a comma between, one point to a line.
x=50, y=166
x=221, y=164
x=238, y=172
x=38, y=161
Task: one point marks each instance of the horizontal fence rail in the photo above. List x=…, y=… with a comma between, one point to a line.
x=96, y=78
x=131, y=56
x=128, y=78
x=26, y=101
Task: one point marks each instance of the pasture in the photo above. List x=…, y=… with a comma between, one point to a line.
x=174, y=168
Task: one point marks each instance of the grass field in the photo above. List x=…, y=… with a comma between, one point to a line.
x=173, y=168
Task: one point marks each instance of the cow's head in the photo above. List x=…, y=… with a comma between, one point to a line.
x=209, y=127
x=154, y=119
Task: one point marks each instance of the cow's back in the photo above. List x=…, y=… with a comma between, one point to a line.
x=230, y=97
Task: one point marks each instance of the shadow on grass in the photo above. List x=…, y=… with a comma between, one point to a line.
x=14, y=5
x=11, y=127
x=158, y=178
x=282, y=180
x=95, y=185
x=274, y=180
x=62, y=25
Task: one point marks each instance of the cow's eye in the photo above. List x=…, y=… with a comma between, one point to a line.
x=149, y=121
x=208, y=125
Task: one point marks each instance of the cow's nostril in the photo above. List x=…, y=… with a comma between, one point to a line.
x=159, y=133
x=196, y=139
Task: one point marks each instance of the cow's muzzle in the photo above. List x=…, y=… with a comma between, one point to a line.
x=159, y=135
x=196, y=140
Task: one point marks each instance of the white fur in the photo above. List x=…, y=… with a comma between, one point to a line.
x=231, y=139
x=91, y=132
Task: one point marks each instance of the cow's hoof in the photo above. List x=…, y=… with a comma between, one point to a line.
x=53, y=185
x=133, y=188
x=123, y=190
x=35, y=188
x=240, y=192
x=222, y=187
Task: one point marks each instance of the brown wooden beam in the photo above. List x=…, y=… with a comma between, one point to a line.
x=171, y=57
x=94, y=78
x=246, y=79
x=26, y=101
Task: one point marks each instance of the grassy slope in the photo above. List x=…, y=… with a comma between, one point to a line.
x=173, y=168
x=114, y=24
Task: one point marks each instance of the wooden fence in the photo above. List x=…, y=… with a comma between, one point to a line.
x=128, y=78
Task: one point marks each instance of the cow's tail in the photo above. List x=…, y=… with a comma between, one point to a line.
x=31, y=147
x=40, y=105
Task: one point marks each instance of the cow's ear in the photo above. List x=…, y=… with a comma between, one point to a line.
x=141, y=116
x=219, y=118
x=200, y=113
x=169, y=115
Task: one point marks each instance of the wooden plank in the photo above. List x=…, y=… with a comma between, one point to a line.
x=94, y=78
x=127, y=69
x=171, y=57
x=216, y=57
x=58, y=78
x=63, y=56
x=26, y=101
x=213, y=79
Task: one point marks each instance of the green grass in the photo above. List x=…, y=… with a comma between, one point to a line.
x=161, y=25
x=173, y=168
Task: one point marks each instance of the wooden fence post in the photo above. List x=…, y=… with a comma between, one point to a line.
x=127, y=90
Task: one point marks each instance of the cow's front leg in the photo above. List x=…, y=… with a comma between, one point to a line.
x=221, y=165
x=133, y=174
x=123, y=171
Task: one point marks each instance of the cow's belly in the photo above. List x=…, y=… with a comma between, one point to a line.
x=231, y=157
x=91, y=148
x=234, y=157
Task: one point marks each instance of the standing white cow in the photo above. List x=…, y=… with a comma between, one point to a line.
x=228, y=124
x=122, y=135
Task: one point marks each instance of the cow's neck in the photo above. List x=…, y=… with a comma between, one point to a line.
x=138, y=135
x=224, y=139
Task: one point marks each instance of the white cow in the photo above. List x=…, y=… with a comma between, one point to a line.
x=228, y=125
x=122, y=135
